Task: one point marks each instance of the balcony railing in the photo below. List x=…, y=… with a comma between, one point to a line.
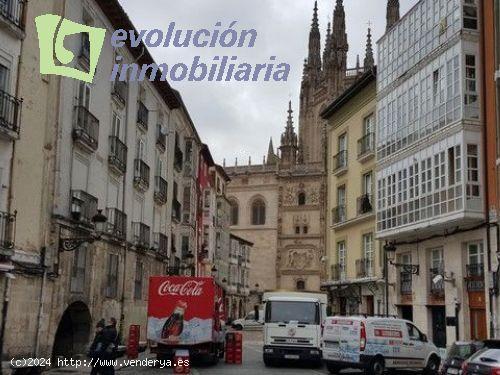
x=340, y=161
x=475, y=277
x=176, y=210
x=10, y=112
x=7, y=230
x=141, y=235
x=117, y=154
x=365, y=205
x=366, y=145
x=178, y=159
x=161, y=189
x=83, y=206
x=120, y=90
x=86, y=130
x=161, y=138
x=364, y=267
x=142, y=114
x=338, y=272
x=339, y=214
x=117, y=223
x=406, y=283
x=12, y=11
x=161, y=244
x=437, y=288
x=141, y=174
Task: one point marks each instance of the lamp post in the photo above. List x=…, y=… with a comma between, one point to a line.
x=389, y=255
x=73, y=243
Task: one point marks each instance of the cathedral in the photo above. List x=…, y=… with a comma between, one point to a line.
x=279, y=205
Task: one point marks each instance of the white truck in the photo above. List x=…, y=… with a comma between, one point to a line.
x=292, y=326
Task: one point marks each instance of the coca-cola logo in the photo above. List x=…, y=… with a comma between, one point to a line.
x=190, y=288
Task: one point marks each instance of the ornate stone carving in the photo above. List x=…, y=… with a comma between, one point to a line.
x=289, y=197
x=300, y=259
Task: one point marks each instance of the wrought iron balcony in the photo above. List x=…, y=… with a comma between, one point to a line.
x=10, y=114
x=117, y=223
x=364, y=268
x=142, y=114
x=339, y=214
x=161, y=188
x=338, y=272
x=340, y=162
x=86, y=130
x=475, y=270
x=366, y=146
x=406, y=283
x=12, y=11
x=475, y=277
x=83, y=206
x=176, y=210
x=141, y=236
x=178, y=159
x=161, y=244
x=437, y=288
x=161, y=139
x=365, y=204
x=141, y=174
x=7, y=230
x=120, y=90
x=117, y=154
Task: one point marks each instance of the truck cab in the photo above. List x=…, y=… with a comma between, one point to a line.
x=292, y=327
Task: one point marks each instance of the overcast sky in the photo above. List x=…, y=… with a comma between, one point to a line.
x=237, y=119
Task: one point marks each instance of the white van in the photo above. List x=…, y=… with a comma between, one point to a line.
x=250, y=321
x=292, y=328
x=376, y=344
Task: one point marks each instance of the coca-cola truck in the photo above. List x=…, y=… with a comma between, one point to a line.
x=186, y=313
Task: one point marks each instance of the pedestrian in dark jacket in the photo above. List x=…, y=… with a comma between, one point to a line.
x=96, y=347
x=110, y=345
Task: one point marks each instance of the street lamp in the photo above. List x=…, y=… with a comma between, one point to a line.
x=73, y=243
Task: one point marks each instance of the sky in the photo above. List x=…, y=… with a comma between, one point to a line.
x=236, y=119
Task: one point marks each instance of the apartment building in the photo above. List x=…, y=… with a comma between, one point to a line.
x=238, y=280
x=355, y=281
x=430, y=176
x=104, y=184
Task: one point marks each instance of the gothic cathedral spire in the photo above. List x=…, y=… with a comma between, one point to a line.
x=369, y=59
x=392, y=13
x=289, y=141
x=314, y=59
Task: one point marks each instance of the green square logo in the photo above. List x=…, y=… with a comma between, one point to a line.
x=52, y=30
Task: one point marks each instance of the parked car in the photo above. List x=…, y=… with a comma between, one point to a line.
x=249, y=322
x=457, y=355
x=376, y=345
x=484, y=362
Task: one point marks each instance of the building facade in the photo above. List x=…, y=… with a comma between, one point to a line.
x=355, y=282
x=238, y=281
x=430, y=169
x=279, y=205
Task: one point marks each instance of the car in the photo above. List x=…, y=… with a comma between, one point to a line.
x=486, y=361
x=458, y=353
x=376, y=344
x=249, y=321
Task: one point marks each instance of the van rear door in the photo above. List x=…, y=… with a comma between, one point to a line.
x=341, y=340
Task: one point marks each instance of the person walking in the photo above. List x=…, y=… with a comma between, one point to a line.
x=96, y=347
x=110, y=346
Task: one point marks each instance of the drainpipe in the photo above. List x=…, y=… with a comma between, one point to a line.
x=5, y=307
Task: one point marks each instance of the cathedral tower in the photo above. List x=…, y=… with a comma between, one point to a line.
x=289, y=143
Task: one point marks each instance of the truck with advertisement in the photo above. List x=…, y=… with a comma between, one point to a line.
x=292, y=327
x=186, y=313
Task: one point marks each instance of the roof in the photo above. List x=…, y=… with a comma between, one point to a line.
x=222, y=172
x=207, y=155
x=367, y=78
x=241, y=239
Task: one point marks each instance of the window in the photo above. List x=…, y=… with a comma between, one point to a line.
x=473, y=188
x=306, y=229
x=341, y=201
x=343, y=142
x=112, y=277
x=184, y=246
x=475, y=253
x=302, y=199
x=78, y=270
x=116, y=125
x=341, y=255
x=4, y=78
x=139, y=275
x=140, y=149
x=368, y=183
x=297, y=230
x=369, y=125
x=206, y=198
x=414, y=333
x=84, y=94
x=258, y=212
x=235, y=212
x=470, y=15
x=301, y=285
x=369, y=253
x=471, y=97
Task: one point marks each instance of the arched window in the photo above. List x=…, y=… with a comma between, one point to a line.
x=235, y=212
x=258, y=212
x=302, y=199
x=301, y=285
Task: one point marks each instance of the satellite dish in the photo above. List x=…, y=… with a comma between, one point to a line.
x=437, y=279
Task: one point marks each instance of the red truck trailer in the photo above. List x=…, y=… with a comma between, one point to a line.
x=186, y=313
